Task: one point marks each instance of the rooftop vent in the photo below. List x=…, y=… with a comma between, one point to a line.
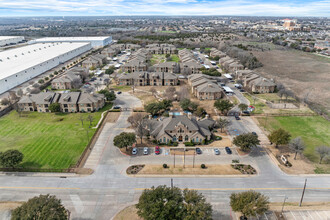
x=48, y=98
x=67, y=98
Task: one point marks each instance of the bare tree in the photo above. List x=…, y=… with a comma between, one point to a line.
x=36, y=85
x=19, y=92
x=31, y=82
x=90, y=118
x=297, y=145
x=35, y=91
x=82, y=119
x=12, y=96
x=140, y=124
x=222, y=123
x=323, y=151
x=153, y=90
x=76, y=83
x=170, y=93
x=106, y=82
x=17, y=109
x=5, y=101
x=97, y=85
x=89, y=89
x=183, y=93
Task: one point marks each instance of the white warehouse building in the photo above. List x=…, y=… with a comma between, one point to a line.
x=95, y=41
x=22, y=64
x=6, y=40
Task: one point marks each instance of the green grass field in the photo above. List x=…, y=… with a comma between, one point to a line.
x=175, y=58
x=47, y=140
x=314, y=130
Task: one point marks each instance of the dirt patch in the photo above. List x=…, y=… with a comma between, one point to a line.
x=129, y=212
x=302, y=72
x=9, y=205
x=224, y=169
x=112, y=117
x=242, y=153
x=225, y=142
x=180, y=151
x=277, y=206
x=299, y=166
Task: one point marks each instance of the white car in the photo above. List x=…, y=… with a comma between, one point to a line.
x=145, y=151
x=134, y=151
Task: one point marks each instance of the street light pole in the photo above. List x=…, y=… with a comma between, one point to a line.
x=302, y=195
x=285, y=198
x=174, y=159
x=194, y=160
x=184, y=157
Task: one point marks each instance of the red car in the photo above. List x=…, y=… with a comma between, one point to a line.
x=157, y=150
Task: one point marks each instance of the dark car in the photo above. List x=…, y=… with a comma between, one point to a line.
x=228, y=150
x=237, y=117
x=254, y=133
x=119, y=92
x=242, y=90
x=157, y=150
x=198, y=150
x=246, y=112
x=116, y=107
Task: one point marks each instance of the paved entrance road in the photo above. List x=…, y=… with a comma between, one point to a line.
x=108, y=190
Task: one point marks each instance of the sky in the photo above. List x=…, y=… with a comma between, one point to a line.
x=317, y=8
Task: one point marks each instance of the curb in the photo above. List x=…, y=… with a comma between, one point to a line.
x=40, y=174
x=189, y=176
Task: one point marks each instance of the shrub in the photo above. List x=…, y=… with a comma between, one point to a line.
x=218, y=138
x=51, y=76
x=41, y=81
x=235, y=161
x=203, y=166
x=189, y=144
x=164, y=165
x=46, y=78
x=175, y=144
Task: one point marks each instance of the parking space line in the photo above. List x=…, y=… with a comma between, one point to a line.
x=293, y=215
x=310, y=214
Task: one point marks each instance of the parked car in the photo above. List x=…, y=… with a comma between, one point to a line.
x=254, y=133
x=157, y=150
x=228, y=150
x=116, y=107
x=134, y=151
x=145, y=150
x=198, y=150
x=242, y=90
x=119, y=92
x=216, y=151
x=246, y=112
x=237, y=117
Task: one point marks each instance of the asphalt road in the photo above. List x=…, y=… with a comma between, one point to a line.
x=108, y=190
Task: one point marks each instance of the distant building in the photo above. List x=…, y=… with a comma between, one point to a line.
x=8, y=40
x=148, y=79
x=24, y=63
x=94, y=41
x=66, y=82
x=69, y=102
x=205, y=87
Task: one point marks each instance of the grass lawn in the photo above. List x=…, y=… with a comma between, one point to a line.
x=47, y=140
x=168, y=32
x=259, y=105
x=157, y=58
x=121, y=88
x=175, y=58
x=314, y=130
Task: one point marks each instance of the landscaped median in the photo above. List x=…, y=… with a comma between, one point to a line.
x=198, y=169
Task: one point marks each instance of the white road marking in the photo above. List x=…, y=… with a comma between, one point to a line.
x=77, y=203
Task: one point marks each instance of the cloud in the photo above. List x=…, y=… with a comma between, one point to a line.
x=165, y=7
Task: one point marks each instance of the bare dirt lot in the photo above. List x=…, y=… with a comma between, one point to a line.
x=302, y=72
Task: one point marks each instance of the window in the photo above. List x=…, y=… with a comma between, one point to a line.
x=160, y=140
x=186, y=138
x=174, y=138
x=196, y=139
x=164, y=139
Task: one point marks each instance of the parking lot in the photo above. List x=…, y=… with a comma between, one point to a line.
x=166, y=152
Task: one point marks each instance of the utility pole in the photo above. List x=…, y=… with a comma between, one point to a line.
x=174, y=159
x=302, y=195
x=184, y=157
x=285, y=198
x=194, y=160
x=171, y=182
